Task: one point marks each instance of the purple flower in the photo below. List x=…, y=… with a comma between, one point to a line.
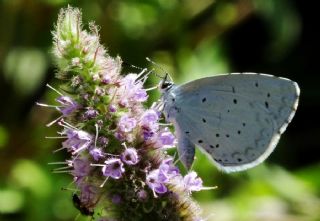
x=165, y=139
x=149, y=120
x=99, y=91
x=68, y=105
x=130, y=156
x=167, y=170
x=129, y=81
x=102, y=141
x=126, y=123
x=81, y=167
x=192, y=182
x=112, y=108
x=120, y=136
x=147, y=134
x=154, y=183
x=106, y=79
x=77, y=141
x=140, y=95
x=90, y=113
x=131, y=91
x=96, y=153
x=113, y=168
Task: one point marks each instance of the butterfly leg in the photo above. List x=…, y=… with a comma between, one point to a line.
x=186, y=151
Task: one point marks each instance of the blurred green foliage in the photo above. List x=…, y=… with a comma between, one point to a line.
x=190, y=39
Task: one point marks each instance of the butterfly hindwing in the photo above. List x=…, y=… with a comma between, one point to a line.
x=237, y=119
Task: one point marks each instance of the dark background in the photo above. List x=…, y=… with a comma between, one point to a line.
x=190, y=39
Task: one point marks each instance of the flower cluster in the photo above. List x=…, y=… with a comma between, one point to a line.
x=117, y=147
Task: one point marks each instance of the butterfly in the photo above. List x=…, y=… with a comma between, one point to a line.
x=236, y=119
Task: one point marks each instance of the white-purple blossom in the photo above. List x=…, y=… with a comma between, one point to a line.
x=131, y=91
x=113, y=168
x=127, y=124
x=77, y=140
x=90, y=113
x=129, y=81
x=103, y=141
x=155, y=183
x=140, y=95
x=149, y=120
x=130, y=156
x=81, y=167
x=123, y=102
x=68, y=105
x=106, y=78
x=96, y=153
x=192, y=182
x=165, y=139
x=167, y=170
x=112, y=108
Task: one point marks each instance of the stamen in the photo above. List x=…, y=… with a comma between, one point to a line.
x=53, y=122
x=61, y=168
x=97, y=131
x=142, y=72
x=70, y=189
x=98, y=165
x=57, y=150
x=209, y=188
x=55, y=137
x=67, y=125
x=58, y=92
x=104, y=182
x=165, y=124
x=151, y=88
x=124, y=144
x=145, y=78
x=62, y=171
x=55, y=163
x=47, y=105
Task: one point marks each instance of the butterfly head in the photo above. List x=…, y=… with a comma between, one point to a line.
x=165, y=84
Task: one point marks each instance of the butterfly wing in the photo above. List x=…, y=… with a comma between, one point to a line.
x=237, y=119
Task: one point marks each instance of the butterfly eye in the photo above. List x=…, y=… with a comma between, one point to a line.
x=166, y=85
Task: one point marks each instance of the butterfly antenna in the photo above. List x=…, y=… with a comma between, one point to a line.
x=144, y=72
x=161, y=68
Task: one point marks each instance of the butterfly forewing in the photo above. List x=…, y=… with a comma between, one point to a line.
x=238, y=118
